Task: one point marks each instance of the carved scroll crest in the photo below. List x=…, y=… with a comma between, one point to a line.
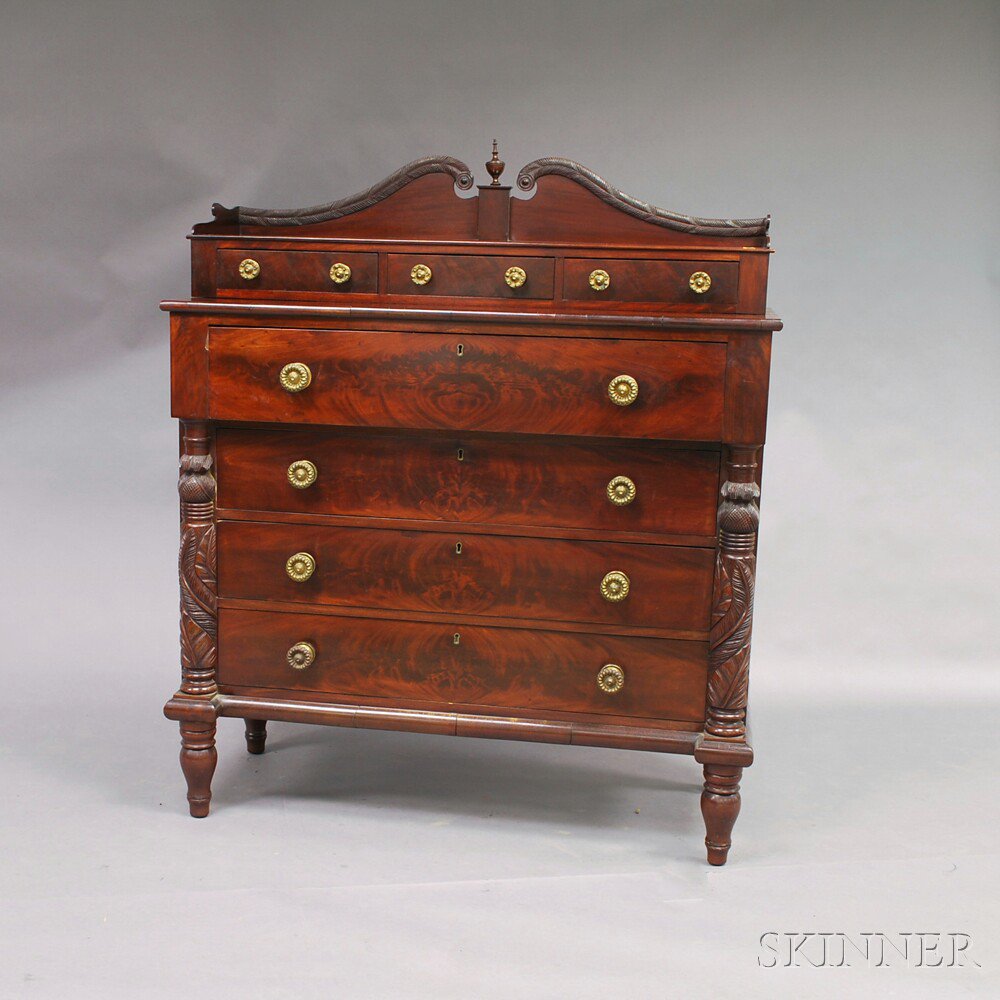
x=597, y=185
x=354, y=203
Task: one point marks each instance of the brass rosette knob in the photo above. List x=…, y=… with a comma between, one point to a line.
x=301, y=655
x=340, y=273
x=249, y=269
x=615, y=586
x=515, y=277
x=302, y=474
x=421, y=274
x=611, y=678
x=599, y=280
x=623, y=390
x=300, y=567
x=621, y=491
x=700, y=282
x=295, y=377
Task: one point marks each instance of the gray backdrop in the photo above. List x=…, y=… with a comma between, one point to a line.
x=386, y=864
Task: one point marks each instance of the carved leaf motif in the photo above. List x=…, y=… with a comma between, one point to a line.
x=205, y=562
x=198, y=652
x=723, y=596
x=730, y=638
x=198, y=578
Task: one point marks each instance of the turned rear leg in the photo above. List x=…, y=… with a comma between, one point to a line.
x=256, y=735
x=720, y=805
x=198, y=759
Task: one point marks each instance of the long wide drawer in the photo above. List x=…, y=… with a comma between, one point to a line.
x=499, y=667
x=656, y=586
x=531, y=385
x=645, y=487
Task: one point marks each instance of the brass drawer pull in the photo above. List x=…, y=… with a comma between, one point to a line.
x=515, y=276
x=302, y=474
x=623, y=390
x=300, y=567
x=302, y=655
x=615, y=586
x=600, y=280
x=295, y=377
x=611, y=678
x=700, y=282
x=340, y=273
x=420, y=274
x=249, y=269
x=621, y=491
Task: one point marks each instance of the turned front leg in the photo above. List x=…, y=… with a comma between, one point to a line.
x=720, y=805
x=193, y=705
x=256, y=735
x=198, y=760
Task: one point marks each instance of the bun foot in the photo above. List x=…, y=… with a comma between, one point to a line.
x=720, y=805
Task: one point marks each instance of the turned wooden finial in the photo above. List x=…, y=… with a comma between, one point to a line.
x=495, y=166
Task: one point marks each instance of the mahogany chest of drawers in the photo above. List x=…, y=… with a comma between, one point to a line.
x=478, y=465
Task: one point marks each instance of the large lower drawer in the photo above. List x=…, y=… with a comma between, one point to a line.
x=656, y=586
x=499, y=667
x=647, y=487
x=531, y=385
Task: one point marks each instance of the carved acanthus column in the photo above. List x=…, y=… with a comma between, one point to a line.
x=192, y=706
x=732, y=607
x=197, y=565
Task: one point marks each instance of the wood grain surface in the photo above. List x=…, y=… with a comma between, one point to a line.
x=533, y=385
x=467, y=274
x=532, y=578
x=510, y=668
x=653, y=281
x=298, y=270
x=471, y=479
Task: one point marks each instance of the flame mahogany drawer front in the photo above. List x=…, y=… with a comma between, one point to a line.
x=702, y=284
x=486, y=277
x=602, y=485
x=668, y=587
x=530, y=385
x=336, y=272
x=475, y=463
x=460, y=664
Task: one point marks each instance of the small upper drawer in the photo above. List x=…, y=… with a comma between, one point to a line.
x=297, y=271
x=458, y=274
x=707, y=283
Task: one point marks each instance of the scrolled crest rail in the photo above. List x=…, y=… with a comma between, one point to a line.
x=459, y=171
x=529, y=175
